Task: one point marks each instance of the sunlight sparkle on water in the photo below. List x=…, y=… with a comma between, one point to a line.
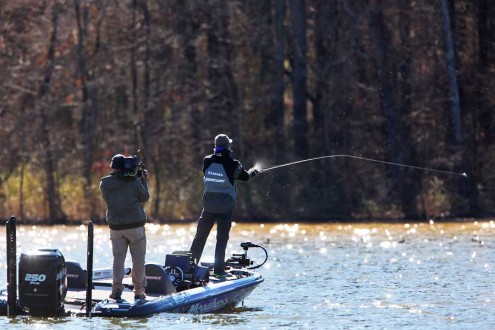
x=362, y=231
x=454, y=266
x=388, y=244
x=153, y=228
x=180, y=232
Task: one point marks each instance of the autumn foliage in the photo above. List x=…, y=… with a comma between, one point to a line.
x=401, y=81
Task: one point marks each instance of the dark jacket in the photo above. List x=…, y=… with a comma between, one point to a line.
x=220, y=173
x=124, y=197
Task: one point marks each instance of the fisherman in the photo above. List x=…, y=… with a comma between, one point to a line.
x=124, y=196
x=219, y=199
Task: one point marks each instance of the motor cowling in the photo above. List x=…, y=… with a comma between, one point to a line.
x=42, y=282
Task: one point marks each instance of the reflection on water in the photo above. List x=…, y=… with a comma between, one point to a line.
x=319, y=276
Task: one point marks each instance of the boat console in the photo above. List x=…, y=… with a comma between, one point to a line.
x=183, y=272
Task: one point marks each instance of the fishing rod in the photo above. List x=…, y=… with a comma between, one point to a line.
x=463, y=174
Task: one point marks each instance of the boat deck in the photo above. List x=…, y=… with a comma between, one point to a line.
x=101, y=292
x=78, y=296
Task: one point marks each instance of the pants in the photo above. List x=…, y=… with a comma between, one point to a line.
x=133, y=239
x=205, y=224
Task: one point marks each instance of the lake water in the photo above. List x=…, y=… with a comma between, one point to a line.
x=319, y=276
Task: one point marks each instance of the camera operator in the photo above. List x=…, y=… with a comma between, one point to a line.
x=124, y=195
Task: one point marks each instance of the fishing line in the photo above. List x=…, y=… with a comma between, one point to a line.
x=365, y=159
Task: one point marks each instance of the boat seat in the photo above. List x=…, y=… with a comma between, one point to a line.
x=77, y=277
x=157, y=280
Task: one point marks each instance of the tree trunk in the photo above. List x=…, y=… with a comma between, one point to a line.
x=188, y=31
x=297, y=10
x=277, y=120
x=479, y=111
x=382, y=43
x=409, y=187
x=455, y=105
x=134, y=74
x=332, y=187
x=223, y=99
x=146, y=129
x=55, y=212
x=89, y=115
x=398, y=144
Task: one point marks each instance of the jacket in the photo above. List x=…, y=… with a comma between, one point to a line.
x=124, y=197
x=220, y=173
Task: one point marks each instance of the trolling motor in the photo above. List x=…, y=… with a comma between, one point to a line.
x=242, y=260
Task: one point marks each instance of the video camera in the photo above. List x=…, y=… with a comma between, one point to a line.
x=133, y=167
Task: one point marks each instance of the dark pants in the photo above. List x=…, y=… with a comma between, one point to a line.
x=205, y=224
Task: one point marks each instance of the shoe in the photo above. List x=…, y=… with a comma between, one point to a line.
x=116, y=294
x=140, y=296
x=221, y=276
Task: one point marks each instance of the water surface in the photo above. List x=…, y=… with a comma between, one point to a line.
x=319, y=276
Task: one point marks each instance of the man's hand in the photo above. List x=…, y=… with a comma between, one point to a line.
x=253, y=172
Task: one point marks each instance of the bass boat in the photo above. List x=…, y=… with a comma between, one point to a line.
x=48, y=285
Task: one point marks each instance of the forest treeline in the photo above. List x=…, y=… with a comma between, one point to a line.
x=394, y=80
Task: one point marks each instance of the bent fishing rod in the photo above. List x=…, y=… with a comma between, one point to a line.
x=463, y=174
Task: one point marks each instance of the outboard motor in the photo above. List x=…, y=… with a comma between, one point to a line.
x=42, y=282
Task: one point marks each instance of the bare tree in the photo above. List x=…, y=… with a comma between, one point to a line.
x=55, y=212
x=89, y=102
x=297, y=11
x=455, y=106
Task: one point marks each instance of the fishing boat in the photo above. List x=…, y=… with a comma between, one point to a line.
x=49, y=285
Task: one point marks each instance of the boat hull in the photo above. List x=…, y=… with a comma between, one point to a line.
x=213, y=297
